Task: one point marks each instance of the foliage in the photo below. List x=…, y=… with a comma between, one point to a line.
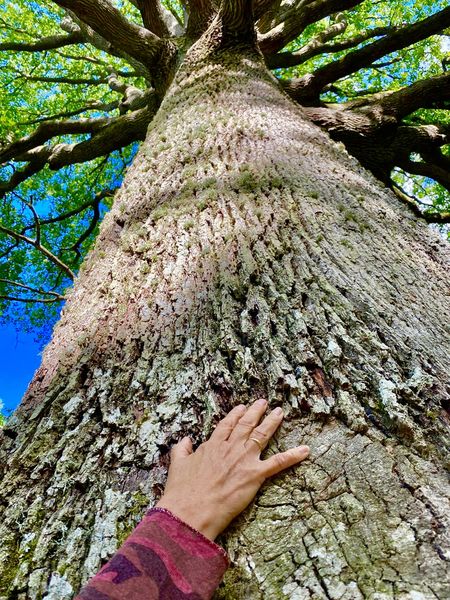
x=60, y=207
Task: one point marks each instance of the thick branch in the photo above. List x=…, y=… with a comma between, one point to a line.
x=236, y=18
x=152, y=17
x=200, y=14
x=47, y=43
x=428, y=93
x=297, y=19
x=48, y=130
x=72, y=24
x=265, y=11
x=110, y=23
x=118, y=133
x=133, y=98
x=425, y=169
x=307, y=89
x=378, y=141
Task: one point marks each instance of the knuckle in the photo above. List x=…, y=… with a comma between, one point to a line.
x=246, y=424
x=260, y=434
x=279, y=460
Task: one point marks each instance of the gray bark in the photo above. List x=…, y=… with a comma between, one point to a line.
x=246, y=254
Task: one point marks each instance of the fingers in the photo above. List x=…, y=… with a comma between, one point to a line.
x=248, y=421
x=182, y=449
x=279, y=462
x=265, y=430
x=226, y=425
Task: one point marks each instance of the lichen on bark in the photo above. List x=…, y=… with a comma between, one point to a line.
x=246, y=254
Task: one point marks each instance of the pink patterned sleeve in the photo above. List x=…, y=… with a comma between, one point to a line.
x=164, y=559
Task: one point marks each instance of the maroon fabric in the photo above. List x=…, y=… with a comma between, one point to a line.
x=164, y=558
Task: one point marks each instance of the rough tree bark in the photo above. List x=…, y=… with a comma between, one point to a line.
x=246, y=254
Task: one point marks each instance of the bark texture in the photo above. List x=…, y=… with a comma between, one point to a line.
x=246, y=254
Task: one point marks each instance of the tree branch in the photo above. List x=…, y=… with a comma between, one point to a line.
x=106, y=193
x=110, y=23
x=297, y=19
x=48, y=130
x=34, y=290
x=428, y=93
x=47, y=43
x=133, y=98
x=429, y=216
x=265, y=12
x=37, y=222
x=426, y=169
x=72, y=24
x=313, y=48
x=152, y=17
x=92, y=225
x=378, y=141
x=200, y=14
x=118, y=133
x=236, y=17
x=102, y=79
x=45, y=251
x=307, y=89
x=29, y=300
x=97, y=106
x=36, y=162
x=318, y=46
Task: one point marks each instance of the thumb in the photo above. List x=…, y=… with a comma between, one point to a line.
x=284, y=460
x=182, y=449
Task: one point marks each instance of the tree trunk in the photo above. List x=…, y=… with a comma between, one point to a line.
x=246, y=255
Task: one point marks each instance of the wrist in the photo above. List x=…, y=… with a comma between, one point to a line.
x=194, y=516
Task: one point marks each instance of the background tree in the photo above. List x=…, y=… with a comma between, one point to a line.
x=245, y=254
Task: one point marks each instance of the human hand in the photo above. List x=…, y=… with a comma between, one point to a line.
x=208, y=488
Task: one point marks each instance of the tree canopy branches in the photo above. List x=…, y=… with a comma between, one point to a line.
x=309, y=87
x=85, y=78
x=295, y=21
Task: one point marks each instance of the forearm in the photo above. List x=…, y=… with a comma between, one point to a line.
x=163, y=557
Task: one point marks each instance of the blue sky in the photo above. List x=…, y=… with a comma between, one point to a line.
x=19, y=359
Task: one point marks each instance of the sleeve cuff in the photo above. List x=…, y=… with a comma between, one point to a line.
x=218, y=549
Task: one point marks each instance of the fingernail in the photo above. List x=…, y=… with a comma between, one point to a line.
x=304, y=450
x=261, y=402
x=241, y=407
x=278, y=411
